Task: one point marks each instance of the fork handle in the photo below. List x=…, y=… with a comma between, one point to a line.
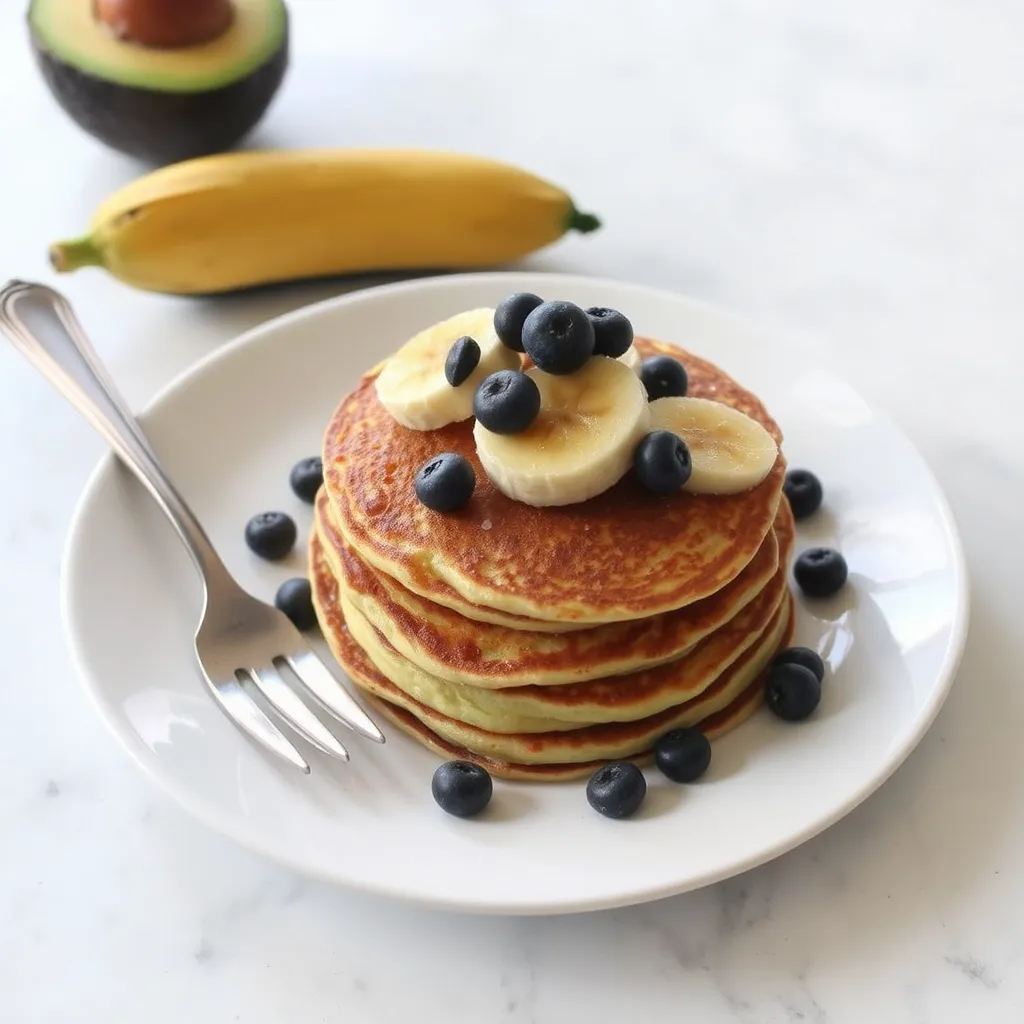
x=42, y=325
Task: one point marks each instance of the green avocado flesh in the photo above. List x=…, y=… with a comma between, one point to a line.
x=67, y=31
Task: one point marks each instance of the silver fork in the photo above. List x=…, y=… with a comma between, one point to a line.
x=239, y=638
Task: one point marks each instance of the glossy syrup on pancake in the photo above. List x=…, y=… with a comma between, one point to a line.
x=448, y=645
x=625, y=554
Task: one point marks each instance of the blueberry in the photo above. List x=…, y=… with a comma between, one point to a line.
x=271, y=535
x=306, y=477
x=820, y=572
x=617, y=790
x=510, y=316
x=683, y=755
x=295, y=598
x=801, y=656
x=461, y=788
x=662, y=462
x=803, y=491
x=446, y=482
x=664, y=377
x=792, y=691
x=507, y=402
x=558, y=337
x=613, y=333
x=462, y=360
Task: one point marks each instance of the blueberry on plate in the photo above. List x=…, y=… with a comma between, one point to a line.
x=617, y=790
x=792, y=691
x=510, y=316
x=306, y=477
x=461, y=788
x=295, y=598
x=683, y=755
x=803, y=492
x=271, y=535
x=613, y=333
x=801, y=656
x=820, y=572
x=462, y=360
x=446, y=482
x=558, y=337
x=507, y=402
x=662, y=462
x=664, y=377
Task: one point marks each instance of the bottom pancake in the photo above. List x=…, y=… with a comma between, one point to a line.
x=548, y=756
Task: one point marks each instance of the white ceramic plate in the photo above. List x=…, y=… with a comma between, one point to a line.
x=229, y=431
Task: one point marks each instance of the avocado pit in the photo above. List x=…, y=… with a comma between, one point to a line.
x=165, y=24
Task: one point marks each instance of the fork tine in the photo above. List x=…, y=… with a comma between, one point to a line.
x=249, y=717
x=286, y=702
x=320, y=681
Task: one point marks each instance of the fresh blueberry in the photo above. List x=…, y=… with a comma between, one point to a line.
x=507, y=402
x=306, y=477
x=801, y=656
x=803, y=491
x=461, y=788
x=462, y=360
x=617, y=790
x=792, y=691
x=558, y=337
x=662, y=462
x=683, y=755
x=820, y=572
x=613, y=333
x=446, y=482
x=510, y=316
x=664, y=377
x=295, y=598
x=271, y=535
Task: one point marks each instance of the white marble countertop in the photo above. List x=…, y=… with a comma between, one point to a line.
x=852, y=171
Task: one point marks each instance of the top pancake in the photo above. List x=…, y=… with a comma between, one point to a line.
x=623, y=555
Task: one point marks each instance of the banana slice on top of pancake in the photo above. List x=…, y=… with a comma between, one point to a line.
x=632, y=359
x=412, y=385
x=581, y=442
x=730, y=452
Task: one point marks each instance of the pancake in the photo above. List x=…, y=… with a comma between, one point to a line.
x=625, y=554
x=713, y=726
x=451, y=647
x=558, y=755
x=603, y=742
x=588, y=743
x=534, y=709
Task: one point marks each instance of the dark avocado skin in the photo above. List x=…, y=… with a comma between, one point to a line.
x=164, y=127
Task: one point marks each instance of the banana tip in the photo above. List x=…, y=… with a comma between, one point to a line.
x=68, y=256
x=583, y=222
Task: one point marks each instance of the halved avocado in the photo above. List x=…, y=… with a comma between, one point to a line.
x=162, y=105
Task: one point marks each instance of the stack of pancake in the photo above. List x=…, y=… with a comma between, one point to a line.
x=541, y=642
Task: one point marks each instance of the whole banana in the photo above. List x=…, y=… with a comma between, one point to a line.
x=243, y=219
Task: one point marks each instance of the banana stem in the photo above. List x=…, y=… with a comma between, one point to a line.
x=70, y=255
x=581, y=222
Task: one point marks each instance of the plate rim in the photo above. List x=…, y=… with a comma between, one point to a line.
x=895, y=758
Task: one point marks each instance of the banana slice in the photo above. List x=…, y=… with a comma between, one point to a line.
x=632, y=359
x=412, y=386
x=730, y=451
x=582, y=441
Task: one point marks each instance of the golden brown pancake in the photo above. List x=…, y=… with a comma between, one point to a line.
x=534, y=709
x=725, y=703
x=451, y=647
x=626, y=554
